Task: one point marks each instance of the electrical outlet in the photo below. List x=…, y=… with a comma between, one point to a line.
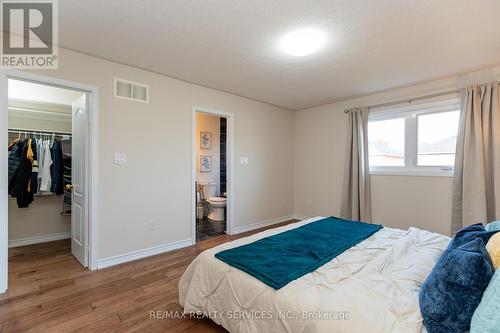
x=120, y=158
x=151, y=226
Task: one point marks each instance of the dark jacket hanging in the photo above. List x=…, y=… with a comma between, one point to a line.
x=15, y=157
x=21, y=179
x=34, y=169
x=56, y=169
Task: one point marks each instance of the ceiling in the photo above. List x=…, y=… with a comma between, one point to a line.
x=39, y=93
x=232, y=45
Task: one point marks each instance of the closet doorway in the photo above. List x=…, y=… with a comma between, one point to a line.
x=47, y=191
x=212, y=173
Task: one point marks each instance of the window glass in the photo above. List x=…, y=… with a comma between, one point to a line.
x=386, y=141
x=437, y=138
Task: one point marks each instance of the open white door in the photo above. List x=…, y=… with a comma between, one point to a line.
x=79, y=200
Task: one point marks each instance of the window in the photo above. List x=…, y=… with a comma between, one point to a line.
x=437, y=138
x=387, y=142
x=414, y=140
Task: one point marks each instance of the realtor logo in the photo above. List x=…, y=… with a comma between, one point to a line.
x=29, y=38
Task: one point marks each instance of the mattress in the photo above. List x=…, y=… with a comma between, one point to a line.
x=372, y=286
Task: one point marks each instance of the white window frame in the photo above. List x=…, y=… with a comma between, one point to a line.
x=411, y=113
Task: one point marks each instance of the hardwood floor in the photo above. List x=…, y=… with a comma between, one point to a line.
x=50, y=292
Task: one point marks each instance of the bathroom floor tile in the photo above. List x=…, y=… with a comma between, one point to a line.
x=206, y=228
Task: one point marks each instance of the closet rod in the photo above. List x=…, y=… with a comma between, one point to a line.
x=409, y=100
x=28, y=131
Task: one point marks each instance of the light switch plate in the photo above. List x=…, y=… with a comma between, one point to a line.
x=120, y=158
x=244, y=160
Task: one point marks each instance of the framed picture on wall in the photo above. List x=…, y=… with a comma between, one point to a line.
x=205, y=140
x=205, y=163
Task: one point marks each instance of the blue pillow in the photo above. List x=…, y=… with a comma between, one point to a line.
x=486, y=319
x=453, y=289
x=469, y=233
x=493, y=226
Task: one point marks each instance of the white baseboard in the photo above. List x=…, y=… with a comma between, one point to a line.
x=38, y=239
x=140, y=254
x=253, y=226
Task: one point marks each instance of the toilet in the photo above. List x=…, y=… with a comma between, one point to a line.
x=216, y=204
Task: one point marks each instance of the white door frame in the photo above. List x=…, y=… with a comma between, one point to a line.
x=229, y=166
x=92, y=137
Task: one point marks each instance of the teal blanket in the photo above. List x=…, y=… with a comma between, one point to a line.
x=277, y=260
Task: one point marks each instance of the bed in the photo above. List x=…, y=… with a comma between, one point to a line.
x=373, y=286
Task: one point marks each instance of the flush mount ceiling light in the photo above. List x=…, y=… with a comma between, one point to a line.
x=302, y=42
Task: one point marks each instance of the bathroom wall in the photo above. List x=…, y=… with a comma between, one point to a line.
x=210, y=124
x=223, y=155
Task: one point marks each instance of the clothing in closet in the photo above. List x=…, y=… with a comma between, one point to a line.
x=15, y=157
x=39, y=150
x=56, y=172
x=46, y=178
x=20, y=187
x=27, y=176
x=34, y=168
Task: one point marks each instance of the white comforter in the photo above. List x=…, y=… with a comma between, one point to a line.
x=372, y=287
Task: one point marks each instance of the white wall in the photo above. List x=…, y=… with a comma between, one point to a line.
x=42, y=125
x=157, y=137
x=210, y=124
x=54, y=117
x=398, y=201
x=41, y=218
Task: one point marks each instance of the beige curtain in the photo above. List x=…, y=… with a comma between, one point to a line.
x=476, y=190
x=356, y=200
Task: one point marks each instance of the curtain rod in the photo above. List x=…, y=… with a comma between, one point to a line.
x=26, y=130
x=409, y=100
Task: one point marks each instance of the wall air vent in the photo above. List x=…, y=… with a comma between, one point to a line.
x=132, y=91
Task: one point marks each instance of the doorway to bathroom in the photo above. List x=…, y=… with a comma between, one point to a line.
x=212, y=195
